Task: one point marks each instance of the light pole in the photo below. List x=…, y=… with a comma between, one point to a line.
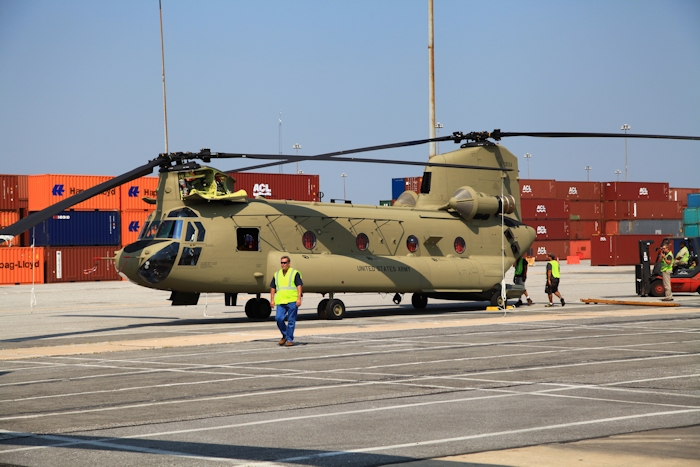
x=624, y=128
x=297, y=146
x=527, y=158
x=438, y=125
x=618, y=172
x=588, y=172
x=344, y=175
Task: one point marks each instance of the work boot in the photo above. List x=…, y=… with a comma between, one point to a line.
x=519, y=303
x=549, y=304
x=529, y=301
x=563, y=302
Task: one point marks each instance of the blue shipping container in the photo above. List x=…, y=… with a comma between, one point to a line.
x=694, y=200
x=692, y=230
x=398, y=186
x=690, y=216
x=78, y=228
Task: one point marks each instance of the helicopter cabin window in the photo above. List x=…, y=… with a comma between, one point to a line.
x=170, y=229
x=460, y=245
x=189, y=256
x=362, y=242
x=309, y=240
x=248, y=239
x=195, y=232
x=412, y=243
x=183, y=212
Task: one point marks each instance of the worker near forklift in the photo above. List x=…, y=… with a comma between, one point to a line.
x=666, y=268
x=682, y=256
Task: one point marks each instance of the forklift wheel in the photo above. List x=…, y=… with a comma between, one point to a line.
x=657, y=289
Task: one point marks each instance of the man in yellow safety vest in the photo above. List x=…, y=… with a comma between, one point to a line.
x=553, y=277
x=285, y=292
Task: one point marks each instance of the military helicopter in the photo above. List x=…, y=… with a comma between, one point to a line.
x=454, y=240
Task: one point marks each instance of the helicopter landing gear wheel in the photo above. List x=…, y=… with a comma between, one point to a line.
x=258, y=309
x=335, y=309
x=497, y=300
x=321, y=309
x=419, y=301
x=657, y=288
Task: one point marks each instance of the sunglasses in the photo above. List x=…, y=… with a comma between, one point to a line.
x=284, y=262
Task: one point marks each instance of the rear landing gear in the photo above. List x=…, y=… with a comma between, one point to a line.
x=331, y=308
x=258, y=308
x=419, y=301
x=497, y=300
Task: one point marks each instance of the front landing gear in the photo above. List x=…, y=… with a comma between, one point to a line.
x=331, y=308
x=419, y=301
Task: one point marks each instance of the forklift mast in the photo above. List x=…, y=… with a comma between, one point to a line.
x=642, y=271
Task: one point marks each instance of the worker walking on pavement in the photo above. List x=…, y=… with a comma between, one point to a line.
x=520, y=277
x=666, y=268
x=553, y=277
x=285, y=292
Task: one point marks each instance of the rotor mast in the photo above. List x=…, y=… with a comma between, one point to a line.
x=431, y=79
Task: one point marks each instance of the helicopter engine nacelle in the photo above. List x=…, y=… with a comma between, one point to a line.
x=471, y=204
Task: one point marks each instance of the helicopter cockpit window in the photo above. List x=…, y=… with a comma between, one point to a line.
x=189, y=256
x=248, y=239
x=170, y=229
x=362, y=242
x=460, y=245
x=183, y=212
x=149, y=230
x=309, y=240
x=195, y=232
x=412, y=243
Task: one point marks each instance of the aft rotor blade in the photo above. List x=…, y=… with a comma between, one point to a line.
x=497, y=134
x=38, y=217
x=332, y=155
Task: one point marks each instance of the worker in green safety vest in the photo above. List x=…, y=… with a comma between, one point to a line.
x=285, y=292
x=666, y=269
x=682, y=256
x=553, y=276
x=520, y=276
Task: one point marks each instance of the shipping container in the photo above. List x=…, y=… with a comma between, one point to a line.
x=538, y=189
x=544, y=209
x=621, y=210
x=649, y=227
x=9, y=193
x=694, y=200
x=398, y=186
x=45, y=190
x=550, y=229
x=132, y=194
x=23, y=190
x=78, y=228
x=21, y=265
x=681, y=194
x=542, y=248
x=691, y=230
x=413, y=183
x=79, y=264
x=584, y=230
x=386, y=202
x=580, y=191
x=7, y=218
x=690, y=216
x=297, y=187
x=131, y=225
x=580, y=248
x=635, y=191
x=621, y=250
x=586, y=210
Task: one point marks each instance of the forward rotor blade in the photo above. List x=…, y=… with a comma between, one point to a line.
x=38, y=217
x=497, y=134
x=290, y=159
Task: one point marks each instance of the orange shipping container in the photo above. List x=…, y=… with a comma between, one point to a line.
x=7, y=218
x=131, y=225
x=580, y=248
x=80, y=264
x=45, y=190
x=132, y=194
x=21, y=265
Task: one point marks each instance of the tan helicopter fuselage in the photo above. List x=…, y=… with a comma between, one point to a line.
x=234, y=245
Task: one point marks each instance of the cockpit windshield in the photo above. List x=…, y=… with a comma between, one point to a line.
x=170, y=229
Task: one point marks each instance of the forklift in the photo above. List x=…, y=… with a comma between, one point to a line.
x=683, y=279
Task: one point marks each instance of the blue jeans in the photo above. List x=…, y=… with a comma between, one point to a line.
x=288, y=310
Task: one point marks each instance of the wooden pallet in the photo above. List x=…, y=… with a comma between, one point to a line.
x=627, y=302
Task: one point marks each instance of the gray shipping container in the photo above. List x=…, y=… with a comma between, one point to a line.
x=652, y=227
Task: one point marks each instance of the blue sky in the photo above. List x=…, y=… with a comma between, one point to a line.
x=81, y=93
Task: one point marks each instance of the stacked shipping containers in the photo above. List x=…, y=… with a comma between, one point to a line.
x=691, y=216
x=399, y=185
x=548, y=215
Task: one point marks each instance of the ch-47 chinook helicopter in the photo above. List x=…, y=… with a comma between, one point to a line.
x=453, y=240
